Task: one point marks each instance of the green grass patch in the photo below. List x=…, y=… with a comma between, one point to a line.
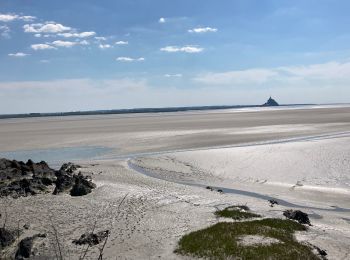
x=221, y=241
x=236, y=213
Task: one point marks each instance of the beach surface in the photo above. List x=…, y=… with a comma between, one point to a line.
x=152, y=170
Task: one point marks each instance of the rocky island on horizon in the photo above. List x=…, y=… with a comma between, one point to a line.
x=271, y=103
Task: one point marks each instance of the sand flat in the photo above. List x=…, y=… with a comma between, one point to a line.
x=241, y=150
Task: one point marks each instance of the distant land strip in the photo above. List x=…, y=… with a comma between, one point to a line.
x=134, y=111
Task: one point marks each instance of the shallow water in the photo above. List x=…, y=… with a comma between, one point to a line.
x=56, y=156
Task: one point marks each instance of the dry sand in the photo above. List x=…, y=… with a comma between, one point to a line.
x=307, y=173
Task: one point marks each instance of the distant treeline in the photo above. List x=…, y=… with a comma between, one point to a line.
x=125, y=111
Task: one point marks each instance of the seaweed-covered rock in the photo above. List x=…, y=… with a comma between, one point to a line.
x=91, y=239
x=297, y=215
x=6, y=238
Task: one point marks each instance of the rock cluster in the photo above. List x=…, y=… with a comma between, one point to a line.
x=23, y=179
x=297, y=215
x=91, y=239
x=6, y=238
x=25, y=247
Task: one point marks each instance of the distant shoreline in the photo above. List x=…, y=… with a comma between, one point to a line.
x=138, y=111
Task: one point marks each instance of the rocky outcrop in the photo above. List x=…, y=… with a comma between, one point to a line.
x=22, y=179
x=297, y=215
x=270, y=103
x=69, y=167
x=74, y=184
x=82, y=186
x=19, y=179
x=91, y=239
x=25, y=247
x=6, y=238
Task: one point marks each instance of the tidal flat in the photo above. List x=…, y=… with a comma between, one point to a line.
x=297, y=157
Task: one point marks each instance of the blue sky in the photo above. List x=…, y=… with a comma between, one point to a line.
x=84, y=55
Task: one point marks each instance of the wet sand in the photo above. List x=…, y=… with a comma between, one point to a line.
x=170, y=131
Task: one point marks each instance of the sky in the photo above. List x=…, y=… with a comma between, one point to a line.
x=89, y=55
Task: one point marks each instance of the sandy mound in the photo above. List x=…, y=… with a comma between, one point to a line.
x=255, y=240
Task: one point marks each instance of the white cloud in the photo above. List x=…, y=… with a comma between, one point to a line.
x=317, y=83
x=5, y=31
x=8, y=17
x=203, y=30
x=77, y=35
x=249, y=76
x=173, y=75
x=49, y=27
x=27, y=18
x=18, y=54
x=100, y=38
x=330, y=73
x=84, y=42
x=187, y=48
x=66, y=44
x=122, y=43
x=38, y=35
x=41, y=46
x=161, y=20
x=104, y=46
x=128, y=59
x=14, y=17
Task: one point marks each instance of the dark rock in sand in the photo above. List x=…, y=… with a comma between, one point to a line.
x=22, y=179
x=26, y=226
x=82, y=186
x=70, y=167
x=25, y=247
x=297, y=215
x=273, y=202
x=6, y=238
x=64, y=182
x=91, y=239
x=75, y=184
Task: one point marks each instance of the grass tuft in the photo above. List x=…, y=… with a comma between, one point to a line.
x=236, y=213
x=221, y=241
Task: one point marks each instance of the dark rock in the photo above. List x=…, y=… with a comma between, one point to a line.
x=270, y=103
x=209, y=188
x=19, y=179
x=6, y=238
x=220, y=191
x=91, y=239
x=273, y=202
x=64, y=182
x=25, y=248
x=26, y=226
x=22, y=179
x=76, y=185
x=70, y=167
x=82, y=186
x=297, y=215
